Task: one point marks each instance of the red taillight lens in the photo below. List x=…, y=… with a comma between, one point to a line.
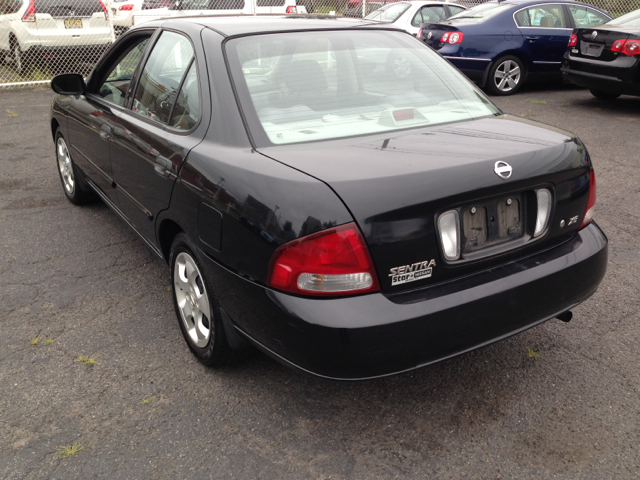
x=591, y=202
x=626, y=47
x=419, y=35
x=332, y=262
x=452, y=38
x=104, y=9
x=30, y=13
x=292, y=9
x=573, y=41
x=127, y=7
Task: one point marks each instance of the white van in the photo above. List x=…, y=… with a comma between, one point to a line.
x=53, y=31
x=183, y=8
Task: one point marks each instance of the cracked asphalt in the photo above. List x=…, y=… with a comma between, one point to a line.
x=81, y=283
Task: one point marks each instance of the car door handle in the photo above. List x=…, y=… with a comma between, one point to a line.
x=532, y=39
x=105, y=132
x=163, y=166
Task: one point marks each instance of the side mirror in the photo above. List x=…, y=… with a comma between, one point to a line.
x=68, y=84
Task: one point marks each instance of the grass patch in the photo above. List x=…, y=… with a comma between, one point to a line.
x=11, y=113
x=34, y=341
x=148, y=400
x=539, y=102
x=531, y=353
x=88, y=361
x=70, y=450
x=49, y=340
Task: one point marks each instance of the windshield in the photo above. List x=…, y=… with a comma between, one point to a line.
x=389, y=13
x=482, y=12
x=632, y=19
x=308, y=86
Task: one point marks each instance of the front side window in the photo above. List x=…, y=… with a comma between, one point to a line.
x=160, y=80
x=309, y=86
x=187, y=108
x=115, y=87
x=587, y=17
x=542, y=16
x=433, y=14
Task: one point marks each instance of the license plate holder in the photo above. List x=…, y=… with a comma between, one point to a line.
x=73, y=23
x=492, y=222
x=591, y=49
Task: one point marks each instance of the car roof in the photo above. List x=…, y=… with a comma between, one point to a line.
x=232, y=25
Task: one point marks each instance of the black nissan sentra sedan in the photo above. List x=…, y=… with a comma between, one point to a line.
x=606, y=59
x=347, y=220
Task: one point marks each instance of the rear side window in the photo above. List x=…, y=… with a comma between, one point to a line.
x=455, y=10
x=542, y=16
x=432, y=14
x=587, y=17
x=168, y=62
x=388, y=13
x=69, y=8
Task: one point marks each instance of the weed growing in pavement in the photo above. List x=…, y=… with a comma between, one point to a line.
x=88, y=361
x=148, y=400
x=70, y=450
x=531, y=353
x=11, y=113
x=539, y=102
x=49, y=340
x=34, y=341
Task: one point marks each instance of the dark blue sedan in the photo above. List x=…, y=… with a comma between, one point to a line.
x=499, y=45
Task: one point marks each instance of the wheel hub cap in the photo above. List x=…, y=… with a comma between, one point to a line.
x=507, y=75
x=65, y=166
x=191, y=297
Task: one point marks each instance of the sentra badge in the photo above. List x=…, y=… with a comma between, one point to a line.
x=411, y=273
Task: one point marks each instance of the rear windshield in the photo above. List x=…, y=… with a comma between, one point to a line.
x=389, y=13
x=69, y=8
x=309, y=86
x=482, y=12
x=632, y=19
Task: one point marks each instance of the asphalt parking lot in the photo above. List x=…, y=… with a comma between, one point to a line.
x=558, y=401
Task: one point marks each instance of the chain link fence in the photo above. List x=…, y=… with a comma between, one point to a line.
x=41, y=38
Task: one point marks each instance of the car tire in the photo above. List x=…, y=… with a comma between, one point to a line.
x=197, y=308
x=602, y=95
x=506, y=76
x=73, y=183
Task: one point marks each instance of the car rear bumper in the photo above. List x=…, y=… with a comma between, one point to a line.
x=70, y=53
x=376, y=335
x=605, y=83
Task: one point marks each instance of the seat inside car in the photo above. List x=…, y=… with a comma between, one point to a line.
x=547, y=22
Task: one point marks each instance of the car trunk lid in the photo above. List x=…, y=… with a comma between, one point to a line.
x=596, y=43
x=396, y=185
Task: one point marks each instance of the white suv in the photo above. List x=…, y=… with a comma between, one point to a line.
x=52, y=31
x=182, y=8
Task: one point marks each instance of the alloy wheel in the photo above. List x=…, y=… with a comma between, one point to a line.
x=65, y=166
x=507, y=76
x=192, y=299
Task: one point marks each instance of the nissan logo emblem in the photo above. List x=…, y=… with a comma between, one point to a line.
x=503, y=170
x=594, y=35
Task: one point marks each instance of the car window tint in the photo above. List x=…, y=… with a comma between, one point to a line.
x=114, y=89
x=389, y=13
x=542, y=16
x=433, y=14
x=187, y=109
x=455, y=10
x=310, y=86
x=69, y=8
x=161, y=77
x=587, y=17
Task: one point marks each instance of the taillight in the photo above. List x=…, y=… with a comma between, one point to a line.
x=332, y=262
x=419, y=35
x=127, y=7
x=292, y=9
x=452, y=38
x=591, y=202
x=626, y=47
x=30, y=14
x=573, y=41
x=104, y=9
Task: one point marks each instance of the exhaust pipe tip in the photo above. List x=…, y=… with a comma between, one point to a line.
x=565, y=316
